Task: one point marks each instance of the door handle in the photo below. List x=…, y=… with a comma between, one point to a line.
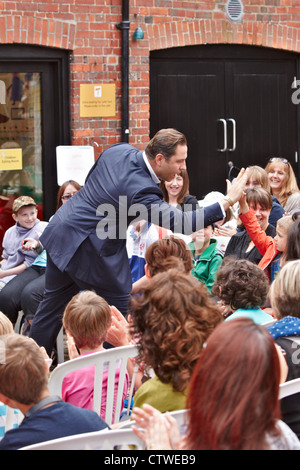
x=225, y=135
x=233, y=135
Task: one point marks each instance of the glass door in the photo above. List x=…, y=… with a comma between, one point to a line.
x=20, y=128
x=34, y=120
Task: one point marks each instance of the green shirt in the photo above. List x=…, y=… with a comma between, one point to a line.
x=159, y=395
x=207, y=264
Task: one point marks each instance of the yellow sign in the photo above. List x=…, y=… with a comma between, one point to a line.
x=11, y=159
x=97, y=100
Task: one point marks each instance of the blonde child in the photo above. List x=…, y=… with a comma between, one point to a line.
x=86, y=320
x=273, y=250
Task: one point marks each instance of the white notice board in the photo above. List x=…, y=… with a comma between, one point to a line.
x=74, y=162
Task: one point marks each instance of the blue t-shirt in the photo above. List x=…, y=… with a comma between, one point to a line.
x=58, y=420
x=256, y=314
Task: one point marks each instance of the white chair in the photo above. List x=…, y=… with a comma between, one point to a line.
x=112, y=358
x=289, y=388
x=181, y=417
x=60, y=346
x=269, y=323
x=19, y=322
x=13, y=417
x=101, y=440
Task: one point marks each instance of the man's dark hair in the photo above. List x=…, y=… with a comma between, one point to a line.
x=165, y=142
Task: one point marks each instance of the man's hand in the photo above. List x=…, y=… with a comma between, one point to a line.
x=236, y=190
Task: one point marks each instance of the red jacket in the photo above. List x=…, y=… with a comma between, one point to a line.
x=266, y=245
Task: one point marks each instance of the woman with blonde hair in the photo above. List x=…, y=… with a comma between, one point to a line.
x=283, y=183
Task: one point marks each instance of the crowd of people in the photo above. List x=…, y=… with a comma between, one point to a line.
x=207, y=290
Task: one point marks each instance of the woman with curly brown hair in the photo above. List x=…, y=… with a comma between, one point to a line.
x=173, y=317
x=242, y=287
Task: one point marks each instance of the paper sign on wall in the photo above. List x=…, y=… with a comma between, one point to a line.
x=74, y=162
x=97, y=100
x=11, y=159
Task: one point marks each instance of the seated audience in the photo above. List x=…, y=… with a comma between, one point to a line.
x=86, y=320
x=161, y=255
x=273, y=250
x=240, y=244
x=285, y=301
x=233, y=397
x=206, y=256
x=24, y=385
x=140, y=236
x=25, y=291
x=14, y=257
x=241, y=288
x=172, y=318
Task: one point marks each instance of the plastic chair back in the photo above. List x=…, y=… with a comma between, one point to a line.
x=289, y=388
x=112, y=359
x=181, y=417
x=100, y=440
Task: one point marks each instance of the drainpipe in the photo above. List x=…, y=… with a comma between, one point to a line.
x=124, y=27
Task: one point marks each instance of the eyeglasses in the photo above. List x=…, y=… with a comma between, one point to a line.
x=274, y=159
x=67, y=196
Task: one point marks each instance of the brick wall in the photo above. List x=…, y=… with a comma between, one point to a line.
x=88, y=29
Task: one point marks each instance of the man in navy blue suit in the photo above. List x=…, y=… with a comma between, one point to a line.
x=86, y=238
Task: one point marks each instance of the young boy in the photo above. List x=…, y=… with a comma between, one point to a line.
x=206, y=257
x=86, y=320
x=14, y=258
x=24, y=386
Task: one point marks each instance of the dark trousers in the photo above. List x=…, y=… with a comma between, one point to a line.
x=60, y=287
x=22, y=286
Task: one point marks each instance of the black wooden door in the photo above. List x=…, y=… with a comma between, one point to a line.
x=233, y=104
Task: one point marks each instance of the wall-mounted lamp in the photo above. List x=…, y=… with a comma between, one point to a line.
x=139, y=33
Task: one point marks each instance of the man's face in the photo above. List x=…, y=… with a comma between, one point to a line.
x=166, y=170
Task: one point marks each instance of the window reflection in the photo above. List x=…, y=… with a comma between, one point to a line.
x=20, y=127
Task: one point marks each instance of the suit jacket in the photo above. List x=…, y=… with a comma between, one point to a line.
x=87, y=235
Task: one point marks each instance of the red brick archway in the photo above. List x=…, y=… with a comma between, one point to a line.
x=184, y=33
x=37, y=31
x=57, y=33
